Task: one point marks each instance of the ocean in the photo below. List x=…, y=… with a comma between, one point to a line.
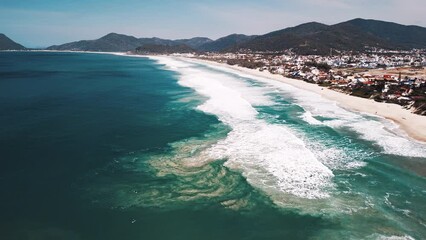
x=102, y=146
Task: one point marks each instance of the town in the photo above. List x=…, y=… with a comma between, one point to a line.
x=386, y=76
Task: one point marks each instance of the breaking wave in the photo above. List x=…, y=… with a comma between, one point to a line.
x=380, y=132
x=268, y=155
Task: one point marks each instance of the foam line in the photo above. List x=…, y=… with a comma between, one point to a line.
x=379, y=131
x=268, y=155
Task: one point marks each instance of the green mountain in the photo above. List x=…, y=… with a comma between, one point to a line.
x=112, y=42
x=286, y=38
x=164, y=49
x=300, y=30
x=225, y=43
x=353, y=35
x=397, y=34
x=8, y=44
x=308, y=38
x=194, y=43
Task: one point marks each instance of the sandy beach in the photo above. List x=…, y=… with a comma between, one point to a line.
x=412, y=124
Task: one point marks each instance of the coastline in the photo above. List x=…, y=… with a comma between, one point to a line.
x=412, y=124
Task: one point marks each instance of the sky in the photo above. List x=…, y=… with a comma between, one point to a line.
x=41, y=23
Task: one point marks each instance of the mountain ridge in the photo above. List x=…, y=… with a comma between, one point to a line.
x=352, y=35
x=8, y=44
x=225, y=43
x=112, y=42
x=306, y=38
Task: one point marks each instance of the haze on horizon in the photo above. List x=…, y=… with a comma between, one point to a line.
x=41, y=23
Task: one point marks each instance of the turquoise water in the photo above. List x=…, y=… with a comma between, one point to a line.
x=100, y=146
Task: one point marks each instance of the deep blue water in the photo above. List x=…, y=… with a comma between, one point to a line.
x=64, y=115
x=96, y=146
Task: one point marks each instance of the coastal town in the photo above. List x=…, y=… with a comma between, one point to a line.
x=386, y=76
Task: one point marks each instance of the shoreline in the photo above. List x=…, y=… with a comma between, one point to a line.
x=413, y=125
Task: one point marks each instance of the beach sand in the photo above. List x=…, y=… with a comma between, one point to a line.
x=412, y=124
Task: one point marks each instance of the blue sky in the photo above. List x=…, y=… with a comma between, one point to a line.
x=40, y=23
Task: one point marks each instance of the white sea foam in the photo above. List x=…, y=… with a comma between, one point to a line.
x=384, y=237
x=307, y=117
x=270, y=156
x=379, y=131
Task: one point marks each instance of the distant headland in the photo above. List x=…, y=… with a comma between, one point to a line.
x=306, y=39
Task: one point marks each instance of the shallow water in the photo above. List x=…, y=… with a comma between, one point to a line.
x=113, y=147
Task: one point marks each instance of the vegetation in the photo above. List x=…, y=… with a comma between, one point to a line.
x=245, y=63
x=357, y=35
x=321, y=66
x=419, y=107
x=225, y=43
x=354, y=35
x=162, y=49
